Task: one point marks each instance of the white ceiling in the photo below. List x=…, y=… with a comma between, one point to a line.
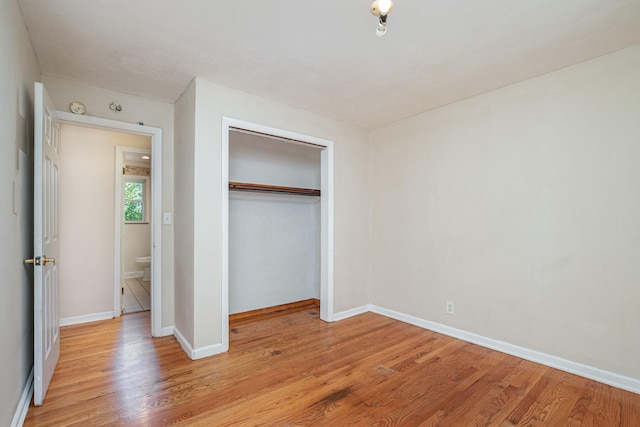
x=324, y=56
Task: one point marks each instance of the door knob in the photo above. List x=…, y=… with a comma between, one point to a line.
x=43, y=260
x=34, y=261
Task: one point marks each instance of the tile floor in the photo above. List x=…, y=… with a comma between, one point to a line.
x=137, y=295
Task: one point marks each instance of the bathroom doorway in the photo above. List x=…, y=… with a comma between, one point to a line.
x=96, y=291
x=133, y=180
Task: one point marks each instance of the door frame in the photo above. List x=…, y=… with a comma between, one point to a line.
x=156, y=211
x=326, y=212
x=119, y=179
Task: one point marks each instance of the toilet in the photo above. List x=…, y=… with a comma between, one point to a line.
x=145, y=261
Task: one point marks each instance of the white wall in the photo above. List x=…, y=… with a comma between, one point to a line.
x=18, y=71
x=521, y=206
x=136, y=243
x=274, y=240
x=265, y=160
x=184, y=213
x=87, y=210
x=210, y=102
x=135, y=109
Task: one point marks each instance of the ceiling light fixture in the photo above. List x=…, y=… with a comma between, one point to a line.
x=381, y=9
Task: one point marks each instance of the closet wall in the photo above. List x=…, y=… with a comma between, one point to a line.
x=274, y=239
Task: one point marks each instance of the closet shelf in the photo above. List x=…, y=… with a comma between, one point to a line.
x=264, y=188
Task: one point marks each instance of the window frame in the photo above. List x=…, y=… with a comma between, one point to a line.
x=138, y=179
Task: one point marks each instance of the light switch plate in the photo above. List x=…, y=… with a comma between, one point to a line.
x=166, y=218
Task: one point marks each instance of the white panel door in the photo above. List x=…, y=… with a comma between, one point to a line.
x=46, y=242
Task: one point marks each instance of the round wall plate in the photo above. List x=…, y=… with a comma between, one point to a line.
x=77, y=107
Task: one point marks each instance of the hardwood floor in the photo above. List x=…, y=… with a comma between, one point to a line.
x=298, y=370
x=275, y=311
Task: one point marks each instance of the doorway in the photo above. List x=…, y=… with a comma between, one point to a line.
x=133, y=180
x=326, y=210
x=154, y=135
x=274, y=224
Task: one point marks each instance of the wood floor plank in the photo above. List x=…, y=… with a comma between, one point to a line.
x=296, y=370
x=629, y=407
x=275, y=311
x=513, y=389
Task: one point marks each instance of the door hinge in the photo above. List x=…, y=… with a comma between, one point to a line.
x=123, y=171
x=122, y=291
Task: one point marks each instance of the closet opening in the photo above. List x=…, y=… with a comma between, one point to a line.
x=277, y=223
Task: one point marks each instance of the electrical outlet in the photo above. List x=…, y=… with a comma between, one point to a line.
x=448, y=307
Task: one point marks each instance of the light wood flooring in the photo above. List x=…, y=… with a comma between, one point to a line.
x=296, y=370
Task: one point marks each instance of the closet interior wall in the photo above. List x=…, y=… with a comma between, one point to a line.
x=274, y=239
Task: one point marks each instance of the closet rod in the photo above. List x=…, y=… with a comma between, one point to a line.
x=264, y=188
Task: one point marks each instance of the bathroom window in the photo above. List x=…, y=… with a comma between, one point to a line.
x=135, y=199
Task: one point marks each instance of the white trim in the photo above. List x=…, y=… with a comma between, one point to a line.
x=118, y=256
x=596, y=374
x=156, y=234
x=208, y=351
x=167, y=331
x=25, y=401
x=138, y=179
x=108, y=124
x=197, y=353
x=224, y=223
x=186, y=347
x=156, y=202
x=586, y=371
x=93, y=317
x=119, y=223
x=351, y=312
x=327, y=216
x=326, y=233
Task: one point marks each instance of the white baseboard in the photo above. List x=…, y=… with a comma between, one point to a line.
x=198, y=353
x=586, y=371
x=133, y=274
x=167, y=331
x=210, y=350
x=186, y=347
x=351, y=312
x=93, y=317
x=596, y=374
x=25, y=401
